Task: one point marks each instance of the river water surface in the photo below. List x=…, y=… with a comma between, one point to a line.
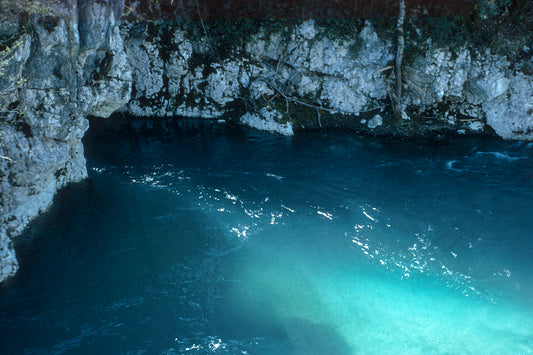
x=200, y=238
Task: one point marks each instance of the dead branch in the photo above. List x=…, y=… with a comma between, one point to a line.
x=399, y=58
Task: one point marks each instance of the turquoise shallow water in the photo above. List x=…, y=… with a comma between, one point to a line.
x=199, y=238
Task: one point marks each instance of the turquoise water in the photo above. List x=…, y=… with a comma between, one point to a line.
x=200, y=238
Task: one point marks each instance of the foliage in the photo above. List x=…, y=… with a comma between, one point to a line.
x=500, y=24
x=10, y=112
x=229, y=34
x=255, y=9
x=342, y=28
x=17, y=10
x=503, y=25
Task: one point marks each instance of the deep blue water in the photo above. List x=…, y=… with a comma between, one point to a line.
x=201, y=238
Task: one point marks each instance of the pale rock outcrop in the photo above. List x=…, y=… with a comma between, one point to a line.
x=462, y=89
x=511, y=116
x=268, y=119
x=478, y=87
x=189, y=81
x=376, y=121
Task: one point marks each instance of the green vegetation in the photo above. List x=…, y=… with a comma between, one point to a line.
x=504, y=26
x=8, y=83
x=23, y=10
x=342, y=28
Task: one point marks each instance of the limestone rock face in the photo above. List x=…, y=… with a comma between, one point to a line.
x=511, y=116
x=50, y=80
x=109, y=87
x=184, y=77
x=348, y=79
x=476, y=88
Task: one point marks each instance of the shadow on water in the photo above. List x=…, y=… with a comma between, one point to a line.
x=111, y=269
x=120, y=265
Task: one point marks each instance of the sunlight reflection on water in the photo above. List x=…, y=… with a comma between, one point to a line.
x=218, y=240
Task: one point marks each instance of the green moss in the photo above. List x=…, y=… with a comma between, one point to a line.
x=341, y=28
x=306, y=117
x=197, y=60
x=22, y=10
x=446, y=32
x=228, y=35
x=193, y=99
x=384, y=25
x=165, y=32
x=284, y=27
x=503, y=26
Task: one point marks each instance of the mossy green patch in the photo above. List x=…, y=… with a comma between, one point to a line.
x=341, y=28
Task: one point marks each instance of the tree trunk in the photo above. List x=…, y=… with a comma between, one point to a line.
x=399, y=57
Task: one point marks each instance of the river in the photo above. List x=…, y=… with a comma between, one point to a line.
x=193, y=237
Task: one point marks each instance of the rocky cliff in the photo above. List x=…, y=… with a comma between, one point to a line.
x=305, y=76
x=81, y=60
x=54, y=71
